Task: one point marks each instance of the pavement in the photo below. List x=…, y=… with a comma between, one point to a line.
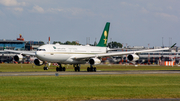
x=88, y=73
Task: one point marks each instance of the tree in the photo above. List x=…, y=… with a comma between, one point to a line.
x=67, y=43
x=57, y=42
x=114, y=45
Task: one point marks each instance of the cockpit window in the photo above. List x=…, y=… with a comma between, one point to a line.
x=41, y=50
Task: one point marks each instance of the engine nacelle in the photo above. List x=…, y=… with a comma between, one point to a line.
x=38, y=62
x=94, y=61
x=18, y=58
x=133, y=57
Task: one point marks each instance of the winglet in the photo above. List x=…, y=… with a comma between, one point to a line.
x=104, y=36
x=173, y=45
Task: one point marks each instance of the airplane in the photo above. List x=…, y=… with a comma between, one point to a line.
x=78, y=54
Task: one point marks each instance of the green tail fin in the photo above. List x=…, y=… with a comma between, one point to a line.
x=104, y=36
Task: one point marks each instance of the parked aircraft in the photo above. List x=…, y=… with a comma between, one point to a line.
x=78, y=54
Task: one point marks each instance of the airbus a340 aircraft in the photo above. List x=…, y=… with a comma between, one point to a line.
x=77, y=54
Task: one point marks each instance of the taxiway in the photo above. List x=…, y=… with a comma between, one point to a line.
x=88, y=73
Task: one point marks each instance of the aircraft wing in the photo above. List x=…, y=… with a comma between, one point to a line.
x=21, y=52
x=116, y=53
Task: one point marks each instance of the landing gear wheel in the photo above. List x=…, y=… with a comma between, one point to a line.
x=45, y=68
x=57, y=69
x=63, y=69
x=60, y=68
x=88, y=69
x=94, y=69
x=91, y=69
x=77, y=68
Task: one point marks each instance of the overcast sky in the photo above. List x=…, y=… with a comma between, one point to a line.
x=135, y=22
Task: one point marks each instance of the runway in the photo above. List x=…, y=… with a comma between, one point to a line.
x=46, y=73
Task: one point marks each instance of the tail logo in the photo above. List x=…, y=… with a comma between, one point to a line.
x=105, y=35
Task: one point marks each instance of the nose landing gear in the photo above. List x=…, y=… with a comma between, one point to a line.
x=45, y=68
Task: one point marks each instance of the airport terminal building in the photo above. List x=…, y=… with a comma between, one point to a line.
x=12, y=44
x=19, y=44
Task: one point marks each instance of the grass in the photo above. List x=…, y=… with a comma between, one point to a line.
x=33, y=68
x=89, y=87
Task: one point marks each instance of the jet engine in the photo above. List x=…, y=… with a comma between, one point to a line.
x=94, y=61
x=18, y=58
x=133, y=57
x=38, y=62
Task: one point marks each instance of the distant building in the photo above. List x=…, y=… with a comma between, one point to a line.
x=33, y=45
x=150, y=57
x=12, y=44
x=20, y=44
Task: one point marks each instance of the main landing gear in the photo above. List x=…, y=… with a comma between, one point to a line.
x=77, y=67
x=91, y=69
x=60, y=68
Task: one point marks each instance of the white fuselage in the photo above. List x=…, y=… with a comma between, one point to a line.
x=65, y=54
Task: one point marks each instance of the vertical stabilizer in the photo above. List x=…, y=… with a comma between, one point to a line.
x=104, y=36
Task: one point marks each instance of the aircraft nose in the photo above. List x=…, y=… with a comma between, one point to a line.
x=37, y=54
